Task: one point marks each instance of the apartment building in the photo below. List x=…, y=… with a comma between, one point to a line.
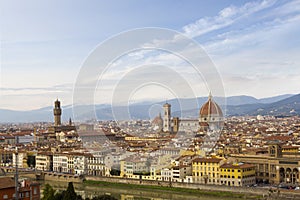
x=237, y=174
x=207, y=170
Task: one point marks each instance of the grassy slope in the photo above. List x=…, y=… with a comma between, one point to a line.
x=170, y=189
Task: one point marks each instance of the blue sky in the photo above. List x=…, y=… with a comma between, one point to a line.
x=254, y=44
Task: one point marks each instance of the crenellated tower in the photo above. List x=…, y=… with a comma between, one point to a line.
x=57, y=113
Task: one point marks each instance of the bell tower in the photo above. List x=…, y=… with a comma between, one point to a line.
x=57, y=113
x=167, y=118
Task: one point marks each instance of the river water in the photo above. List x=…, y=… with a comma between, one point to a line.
x=129, y=194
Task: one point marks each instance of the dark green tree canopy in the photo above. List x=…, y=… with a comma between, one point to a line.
x=48, y=193
x=70, y=193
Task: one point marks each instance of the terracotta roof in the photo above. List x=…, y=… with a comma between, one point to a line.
x=207, y=160
x=237, y=166
x=290, y=147
x=279, y=138
x=6, y=182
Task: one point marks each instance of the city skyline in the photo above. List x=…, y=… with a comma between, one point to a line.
x=253, y=45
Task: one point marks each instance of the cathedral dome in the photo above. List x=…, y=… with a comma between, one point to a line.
x=158, y=120
x=210, y=114
x=210, y=108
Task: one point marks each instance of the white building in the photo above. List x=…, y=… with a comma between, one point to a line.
x=80, y=164
x=96, y=166
x=179, y=173
x=60, y=163
x=71, y=169
x=188, y=125
x=43, y=162
x=166, y=174
x=20, y=161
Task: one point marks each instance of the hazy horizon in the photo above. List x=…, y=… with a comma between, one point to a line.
x=137, y=102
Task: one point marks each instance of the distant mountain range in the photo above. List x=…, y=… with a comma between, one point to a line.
x=282, y=105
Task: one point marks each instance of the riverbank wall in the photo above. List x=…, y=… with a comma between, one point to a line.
x=263, y=192
x=50, y=176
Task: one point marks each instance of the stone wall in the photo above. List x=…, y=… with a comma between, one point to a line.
x=264, y=192
x=50, y=176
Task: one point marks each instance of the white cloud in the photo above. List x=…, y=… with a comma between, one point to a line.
x=225, y=17
x=238, y=53
x=231, y=47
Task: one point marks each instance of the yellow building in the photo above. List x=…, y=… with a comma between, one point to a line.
x=238, y=174
x=290, y=149
x=207, y=170
x=276, y=167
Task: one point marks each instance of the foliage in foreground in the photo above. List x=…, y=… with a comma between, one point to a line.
x=69, y=194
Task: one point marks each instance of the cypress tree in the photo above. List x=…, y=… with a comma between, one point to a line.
x=70, y=194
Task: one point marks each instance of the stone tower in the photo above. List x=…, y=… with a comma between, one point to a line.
x=57, y=113
x=167, y=118
x=275, y=149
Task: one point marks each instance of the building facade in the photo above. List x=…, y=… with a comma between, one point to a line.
x=275, y=167
x=237, y=174
x=207, y=170
x=44, y=161
x=96, y=166
x=60, y=163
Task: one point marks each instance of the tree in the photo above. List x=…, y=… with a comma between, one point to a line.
x=79, y=197
x=70, y=193
x=48, y=193
x=115, y=172
x=31, y=161
x=59, y=195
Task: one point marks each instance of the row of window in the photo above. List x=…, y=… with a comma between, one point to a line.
x=204, y=174
x=205, y=168
x=60, y=159
x=41, y=159
x=96, y=161
x=41, y=163
x=96, y=167
x=233, y=170
x=60, y=164
x=246, y=182
x=205, y=163
x=239, y=177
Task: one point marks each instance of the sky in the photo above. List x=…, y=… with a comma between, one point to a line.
x=254, y=45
